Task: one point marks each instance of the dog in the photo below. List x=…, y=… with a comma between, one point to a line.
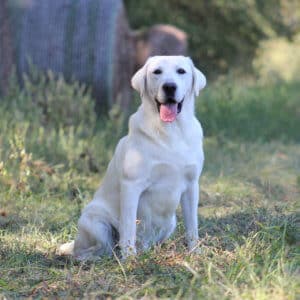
x=155, y=167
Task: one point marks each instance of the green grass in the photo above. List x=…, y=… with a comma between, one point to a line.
x=248, y=219
x=251, y=112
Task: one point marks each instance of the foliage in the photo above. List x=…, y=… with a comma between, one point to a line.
x=222, y=34
x=56, y=121
x=50, y=168
x=278, y=59
x=251, y=112
x=51, y=100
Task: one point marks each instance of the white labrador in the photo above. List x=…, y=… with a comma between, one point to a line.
x=154, y=168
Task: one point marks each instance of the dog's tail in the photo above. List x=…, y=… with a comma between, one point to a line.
x=66, y=249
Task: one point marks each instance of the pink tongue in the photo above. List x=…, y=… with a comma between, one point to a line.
x=168, y=112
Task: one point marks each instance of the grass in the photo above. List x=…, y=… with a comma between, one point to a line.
x=51, y=164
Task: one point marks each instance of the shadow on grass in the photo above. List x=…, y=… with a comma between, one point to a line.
x=234, y=228
x=25, y=266
x=222, y=232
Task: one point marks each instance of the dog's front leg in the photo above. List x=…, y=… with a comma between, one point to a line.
x=129, y=199
x=189, y=205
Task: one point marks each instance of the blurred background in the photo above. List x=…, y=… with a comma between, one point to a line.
x=65, y=70
x=102, y=42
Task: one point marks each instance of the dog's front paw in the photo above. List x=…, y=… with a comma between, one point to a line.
x=194, y=247
x=128, y=252
x=197, y=250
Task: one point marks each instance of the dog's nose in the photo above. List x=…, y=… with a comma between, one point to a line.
x=169, y=89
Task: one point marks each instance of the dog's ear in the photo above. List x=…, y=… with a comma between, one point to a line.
x=199, y=80
x=138, y=81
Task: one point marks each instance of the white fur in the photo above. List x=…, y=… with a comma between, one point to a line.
x=155, y=168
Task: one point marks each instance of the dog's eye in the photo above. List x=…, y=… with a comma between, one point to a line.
x=157, y=71
x=181, y=71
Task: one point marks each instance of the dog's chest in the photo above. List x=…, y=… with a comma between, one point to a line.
x=175, y=166
x=175, y=174
x=168, y=179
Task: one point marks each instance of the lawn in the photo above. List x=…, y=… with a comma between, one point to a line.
x=52, y=160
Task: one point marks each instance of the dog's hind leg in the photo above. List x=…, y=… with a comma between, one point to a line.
x=167, y=231
x=94, y=238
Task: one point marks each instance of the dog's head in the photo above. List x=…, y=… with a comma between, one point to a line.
x=167, y=82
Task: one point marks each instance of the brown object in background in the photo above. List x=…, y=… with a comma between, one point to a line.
x=123, y=62
x=159, y=40
x=6, y=49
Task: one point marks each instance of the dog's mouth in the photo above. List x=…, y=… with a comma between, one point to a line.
x=169, y=110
